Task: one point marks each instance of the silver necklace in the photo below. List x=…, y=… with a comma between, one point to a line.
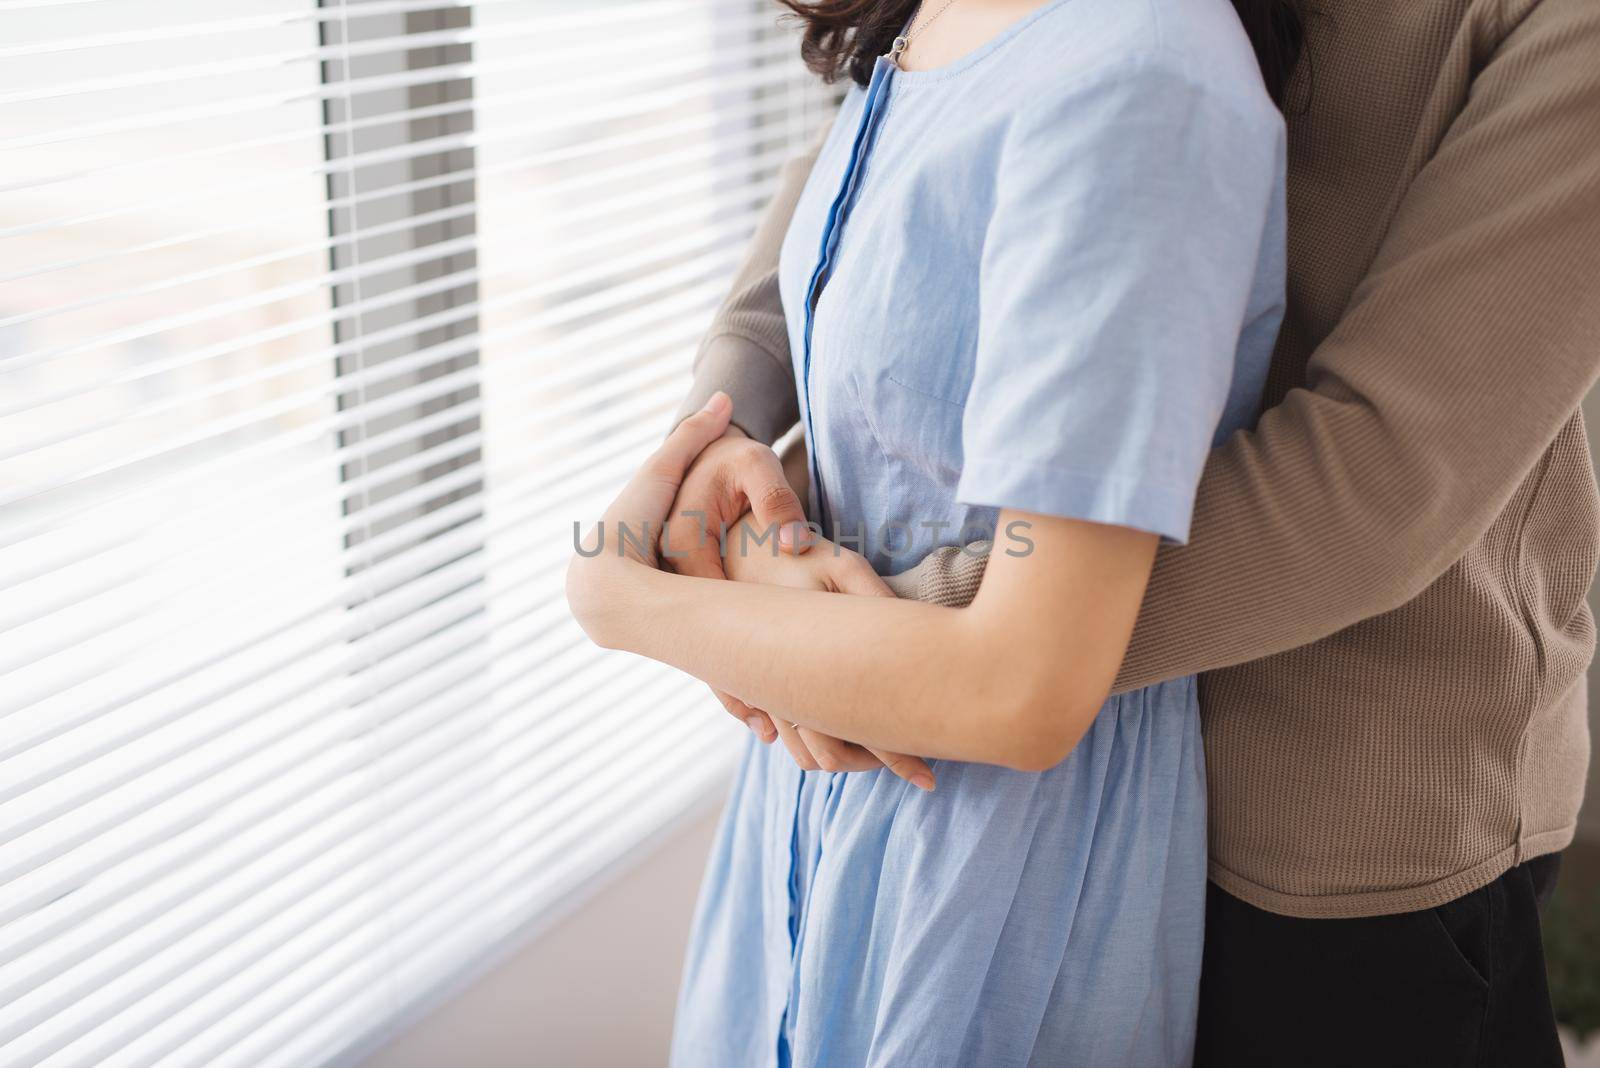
x=903, y=42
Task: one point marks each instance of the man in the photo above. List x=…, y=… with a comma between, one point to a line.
x=1385, y=585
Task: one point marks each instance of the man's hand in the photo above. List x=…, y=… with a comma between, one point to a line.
x=649, y=500
x=734, y=475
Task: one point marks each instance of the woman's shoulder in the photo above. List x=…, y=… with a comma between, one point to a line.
x=1176, y=53
x=1153, y=89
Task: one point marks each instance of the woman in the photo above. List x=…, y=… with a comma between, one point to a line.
x=1035, y=273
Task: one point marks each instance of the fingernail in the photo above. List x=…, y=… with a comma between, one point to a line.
x=922, y=781
x=758, y=727
x=719, y=400
x=793, y=535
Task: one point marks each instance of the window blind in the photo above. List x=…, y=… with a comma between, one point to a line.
x=320, y=324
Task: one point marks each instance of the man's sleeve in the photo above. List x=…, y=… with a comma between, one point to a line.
x=1471, y=341
x=1469, y=344
x=746, y=351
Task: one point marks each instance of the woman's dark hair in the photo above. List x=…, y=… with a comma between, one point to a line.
x=845, y=37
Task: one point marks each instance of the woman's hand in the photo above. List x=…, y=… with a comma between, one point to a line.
x=733, y=474
x=630, y=532
x=751, y=554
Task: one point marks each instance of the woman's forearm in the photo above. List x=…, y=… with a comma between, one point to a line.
x=1013, y=679
x=892, y=674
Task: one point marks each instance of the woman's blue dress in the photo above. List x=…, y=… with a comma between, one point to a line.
x=1049, y=278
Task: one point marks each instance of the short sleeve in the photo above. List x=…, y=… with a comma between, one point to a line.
x=1116, y=277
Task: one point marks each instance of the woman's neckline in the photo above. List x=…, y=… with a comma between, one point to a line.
x=978, y=54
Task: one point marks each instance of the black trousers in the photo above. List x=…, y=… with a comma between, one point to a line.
x=1461, y=984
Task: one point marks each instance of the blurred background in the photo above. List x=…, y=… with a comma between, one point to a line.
x=320, y=323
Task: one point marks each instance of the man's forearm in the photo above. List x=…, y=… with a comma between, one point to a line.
x=762, y=389
x=1469, y=345
x=745, y=353
x=1472, y=341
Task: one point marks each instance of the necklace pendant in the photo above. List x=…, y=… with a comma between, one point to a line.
x=897, y=49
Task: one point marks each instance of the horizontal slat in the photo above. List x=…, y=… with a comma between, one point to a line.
x=224, y=820
x=729, y=227
x=58, y=528
x=660, y=795
x=299, y=515
x=266, y=767
x=333, y=13
x=326, y=356
x=35, y=358
x=285, y=1041
x=410, y=741
x=18, y=865
x=467, y=831
x=302, y=525
x=682, y=253
x=372, y=7
x=539, y=882
x=616, y=142
x=627, y=14
x=607, y=474
x=407, y=760
x=208, y=902
x=294, y=760
x=652, y=400
x=559, y=103
x=678, y=328
x=542, y=575
x=194, y=30
x=766, y=117
x=711, y=264
x=501, y=551
x=623, y=72
x=423, y=896
x=516, y=504
x=206, y=274
x=122, y=897
x=545, y=750
x=281, y=729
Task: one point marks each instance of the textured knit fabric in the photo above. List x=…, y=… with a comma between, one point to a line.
x=1385, y=582
x=950, y=575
